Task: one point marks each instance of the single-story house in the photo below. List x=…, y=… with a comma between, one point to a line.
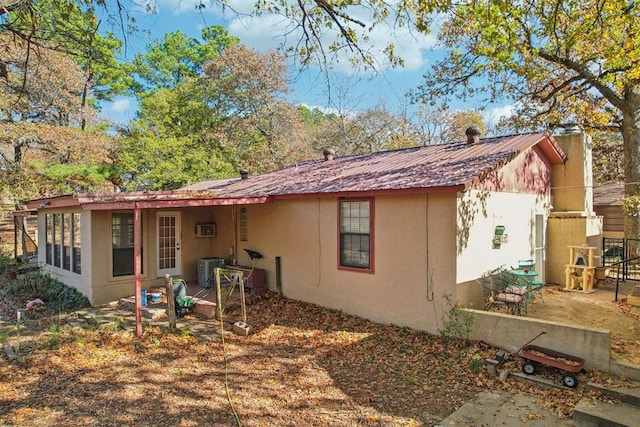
x=385, y=236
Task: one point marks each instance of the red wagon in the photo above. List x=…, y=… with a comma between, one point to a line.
x=534, y=355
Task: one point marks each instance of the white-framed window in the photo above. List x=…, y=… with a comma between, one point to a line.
x=63, y=244
x=76, y=252
x=48, y=223
x=355, y=234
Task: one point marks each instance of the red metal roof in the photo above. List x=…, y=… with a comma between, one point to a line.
x=435, y=168
x=431, y=168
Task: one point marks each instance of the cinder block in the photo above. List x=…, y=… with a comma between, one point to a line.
x=491, y=365
x=241, y=328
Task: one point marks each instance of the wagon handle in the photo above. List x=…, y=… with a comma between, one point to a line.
x=530, y=341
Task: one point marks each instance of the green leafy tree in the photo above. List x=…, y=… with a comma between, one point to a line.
x=315, y=116
x=176, y=58
x=211, y=118
x=562, y=62
x=71, y=28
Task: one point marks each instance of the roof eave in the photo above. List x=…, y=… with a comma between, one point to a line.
x=552, y=150
x=372, y=193
x=170, y=204
x=53, y=202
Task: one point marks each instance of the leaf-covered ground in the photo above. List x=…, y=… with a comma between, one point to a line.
x=302, y=365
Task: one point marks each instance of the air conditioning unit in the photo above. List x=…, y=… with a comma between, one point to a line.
x=206, y=269
x=205, y=230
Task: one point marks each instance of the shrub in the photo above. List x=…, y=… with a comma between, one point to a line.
x=6, y=260
x=56, y=295
x=456, y=322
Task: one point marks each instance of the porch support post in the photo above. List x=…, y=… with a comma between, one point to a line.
x=137, y=269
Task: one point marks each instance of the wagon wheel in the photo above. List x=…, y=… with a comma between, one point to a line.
x=570, y=380
x=529, y=368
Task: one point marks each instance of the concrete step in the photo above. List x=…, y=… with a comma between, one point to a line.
x=623, y=410
x=627, y=394
x=590, y=413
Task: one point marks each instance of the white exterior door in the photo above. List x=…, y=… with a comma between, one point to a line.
x=168, y=243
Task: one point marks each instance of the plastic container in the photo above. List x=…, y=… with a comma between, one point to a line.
x=143, y=297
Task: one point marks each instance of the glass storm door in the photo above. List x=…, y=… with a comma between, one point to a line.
x=168, y=243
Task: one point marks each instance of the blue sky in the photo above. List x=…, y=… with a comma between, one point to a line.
x=350, y=91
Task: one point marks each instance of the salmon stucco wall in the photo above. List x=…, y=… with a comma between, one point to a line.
x=414, y=256
x=479, y=215
x=104, y=286
x=530, y=172
x=194, y=247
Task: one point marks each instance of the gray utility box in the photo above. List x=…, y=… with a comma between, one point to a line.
x=206, y=270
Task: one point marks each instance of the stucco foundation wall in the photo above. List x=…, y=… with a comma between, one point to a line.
x=414, y=257
x=511, y=332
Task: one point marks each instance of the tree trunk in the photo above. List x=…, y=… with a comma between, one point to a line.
x=631, y=138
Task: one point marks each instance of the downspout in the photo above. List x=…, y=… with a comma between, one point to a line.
x=137, y=268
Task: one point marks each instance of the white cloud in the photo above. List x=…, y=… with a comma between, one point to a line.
x=121, y=105
x=272, y=31
x=493, y=115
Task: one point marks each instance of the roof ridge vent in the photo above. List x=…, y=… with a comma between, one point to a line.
x=328, y=154
x=473, y=135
